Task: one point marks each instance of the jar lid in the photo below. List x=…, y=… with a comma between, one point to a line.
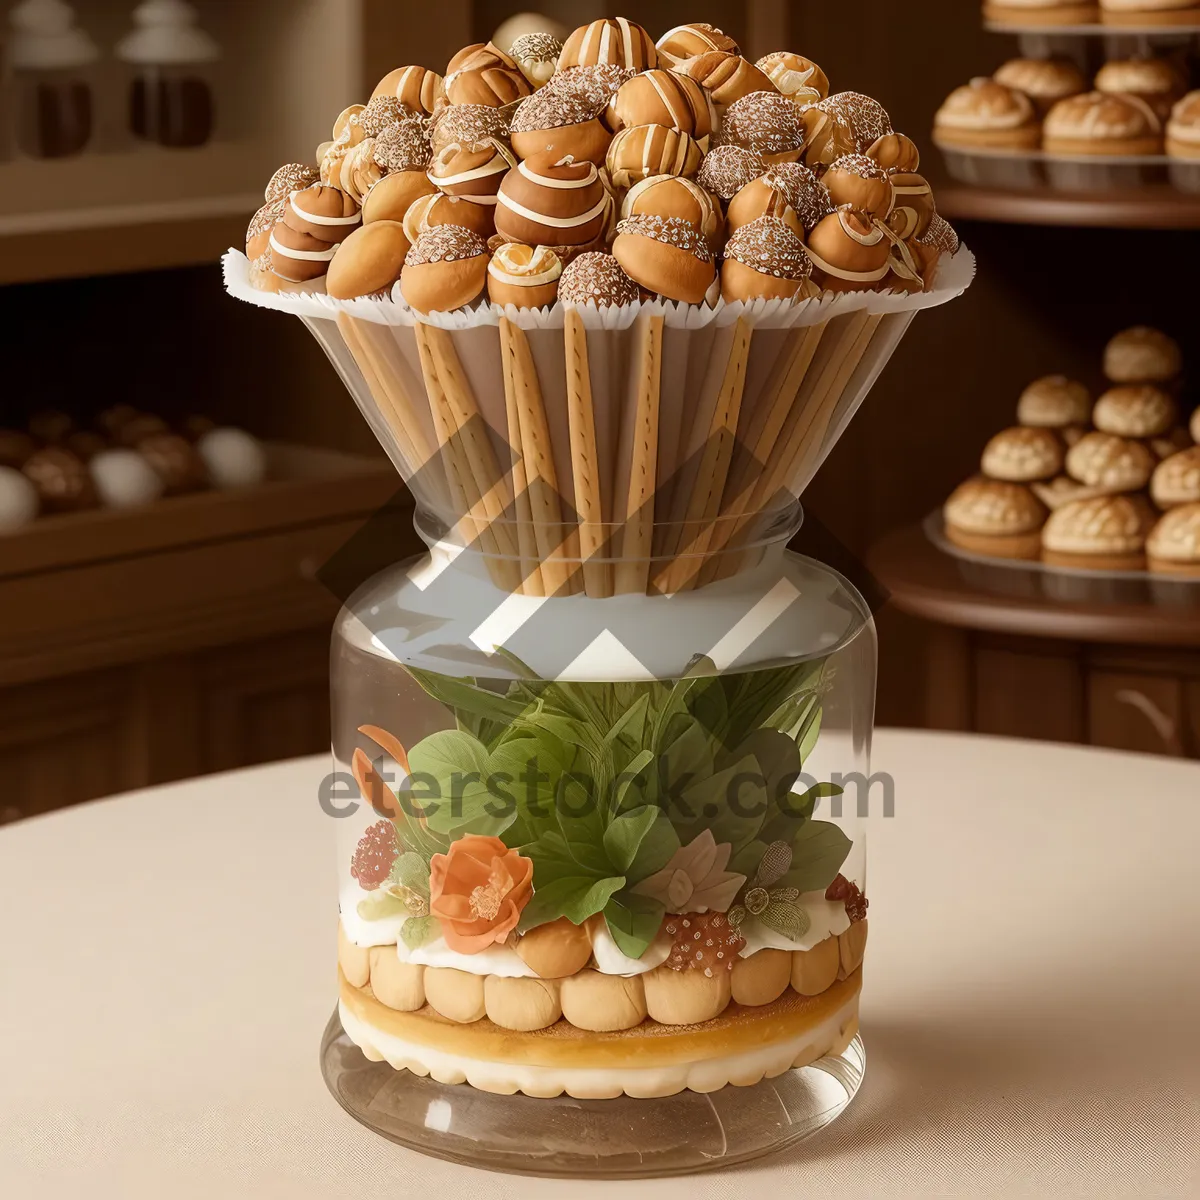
x=45, y=37
x=167, y=32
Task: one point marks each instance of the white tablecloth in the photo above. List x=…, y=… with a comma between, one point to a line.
x=1029, y=1011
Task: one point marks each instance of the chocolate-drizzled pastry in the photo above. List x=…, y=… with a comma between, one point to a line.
x=665, y=255
x=765, y=259
x=596, y=278
x=727, y=169
x=445, y=269
x=766, y=122
x=549, y=202
x=617, y=42
x=536, y=56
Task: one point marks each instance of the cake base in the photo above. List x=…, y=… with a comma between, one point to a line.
x=621, y=1138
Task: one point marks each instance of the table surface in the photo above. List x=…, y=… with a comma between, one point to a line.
x=1028, y=1012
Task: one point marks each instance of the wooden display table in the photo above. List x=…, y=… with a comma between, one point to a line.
x=1017, y=651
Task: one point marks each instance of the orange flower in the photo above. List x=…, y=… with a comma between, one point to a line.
x=477, y=890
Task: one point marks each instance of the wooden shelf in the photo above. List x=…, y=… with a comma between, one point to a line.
x=1090, y=31
x=1156, y=206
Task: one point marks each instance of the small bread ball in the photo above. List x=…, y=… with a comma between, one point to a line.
x=124, y=479
x=19, y=502
x=233, y=457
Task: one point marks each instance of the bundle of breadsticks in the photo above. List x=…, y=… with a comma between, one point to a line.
x=607, y=302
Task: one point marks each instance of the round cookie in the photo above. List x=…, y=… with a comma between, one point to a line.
x=665, y=255
x=990, y=517
x=445, y=269
x=428, y=212
x=299, y=257
x=1023, y=455
x=1114, y=463
x=392, y=197
x=895, y=153
x=1045, y=81
x=564, y=117
x=553, y=202
x=726, y=75
x=1135, y=410
x=765, y=259
x=291, y=177
x=1100, y=123
x=1054, y=402
x=1156, y=81
x=466, y=125
x=472, y=172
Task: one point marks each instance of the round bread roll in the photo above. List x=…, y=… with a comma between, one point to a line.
x=1135, y=410
x=493, y=87
x=428, y=212
x=403, y=146
x=536, y=55
x=445, y=269
x=299, y=257
x=1176, y=480
x=895, y=153
x=1157, y=81
x=661, y=97
x=232, y=457
x=797, y=77
x=1142, y=355
x=615, y=42
x=291, y=177
x=1183, y=129
x=176, y=461
x=258, y=234
x=563, y=118
x=1023, y=454
x=324, y=213
x=381, y=112
x=1054, y=402
x=1045, y=81
x=1174, y=543
x=523, y=276
x=474, y=172
x=553, y=202
x=1113, y=463
x=1100, y=123
x=61, y=480
x=850, y=252
x=986, y=114
x=858, y=181
x=124, y=479
x=19, y=502
x=596, y=278
x=416, y=88
x=644, y=150
x=827, y=136
x=392, y=197
x=466, y=125
x=359, y=172
x=727, y=169
x=778, y=194
x=992, y=517
x=863, y=115
x=674, y=196
x=603, y=1003
x=727, y=76
x=478, y=56
x=369, y=261
x=687, y=41
x=1105, y=529
x=766, y=122
x=765, y=259
x=913, y=210
x=665, y=255
x=555, y=950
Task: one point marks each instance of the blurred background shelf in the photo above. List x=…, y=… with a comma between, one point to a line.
x=1154, y=206
x=1155, y=32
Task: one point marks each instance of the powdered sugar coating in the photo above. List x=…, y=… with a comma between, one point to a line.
x=444, y=243
x=403, y=146
x=940, y=235
x=536, y=47
x=865, y=117
x=806, y=195
x=570, y=98
x=672, y=231
x=596, y=278
x=770, y=245
x=468, y=125
x=764, y=121
x=291, y=177
x=267, y=217
x=727, y=169
x=382, y=112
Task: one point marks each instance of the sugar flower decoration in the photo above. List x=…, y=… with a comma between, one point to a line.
x=695, y=880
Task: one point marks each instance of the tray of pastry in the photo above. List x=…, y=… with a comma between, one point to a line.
x=1106, y=18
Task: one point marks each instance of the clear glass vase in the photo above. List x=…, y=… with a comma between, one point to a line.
x=601, y=865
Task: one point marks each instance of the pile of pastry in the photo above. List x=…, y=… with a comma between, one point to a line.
x=607, y=168
x=1111, y=485
x=1133, y=107
x=124, y=459
x=1143, y=14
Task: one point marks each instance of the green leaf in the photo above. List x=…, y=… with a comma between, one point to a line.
x=786, y=919
x=632, y=784
x=416, y=931
x=575, y=897
x=380, y=905
x=411, y=871
x=634, y=922
x=582, y=822
x=643, y=836
x=465, y=696
x=818, y=850
x=794, y=809
x=442, y=755
x=806, y=739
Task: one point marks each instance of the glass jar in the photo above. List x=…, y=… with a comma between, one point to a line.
x=51, y=87
x=601, y=866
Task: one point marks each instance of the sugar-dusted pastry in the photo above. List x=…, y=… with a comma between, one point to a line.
x=1173, y=545
x=660, y=97
x=564, y=117
x=913, y=207
x=382, y=111
x=1176, y=480
x=415, y=87
x=727, y=169
x=765, y=259
x=1102, y=123
x=687, y=41
x=1114, y=463
x=863, y=115
x=727, y=76
x=428, y=212
x=596, y=278
x=1157, y=81
x=297, y=256
x=369, y=261
x=1135, y=410
x=789, y=191
x=985, y=114
x=1104, y=533
x=467, y=125
x=797, y=77
x=618, y=42
x=524, y=276
x=291, y=177
x=1023, y=454
x=1183, y=128
x=665, y=255
x=675, y=196
x=1054, y=402
x=536, y=56
x=996, y=518
x=553, y=202
x=176, y=462
x=258, y=234
x=473, y=172
x=445, y=269
x=640, y=151
x=850, y=252
x=324, y=213
x=1142, y=355
x=861, y=183
x=1045, y=81
x=894, y=152
x=766, y=122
